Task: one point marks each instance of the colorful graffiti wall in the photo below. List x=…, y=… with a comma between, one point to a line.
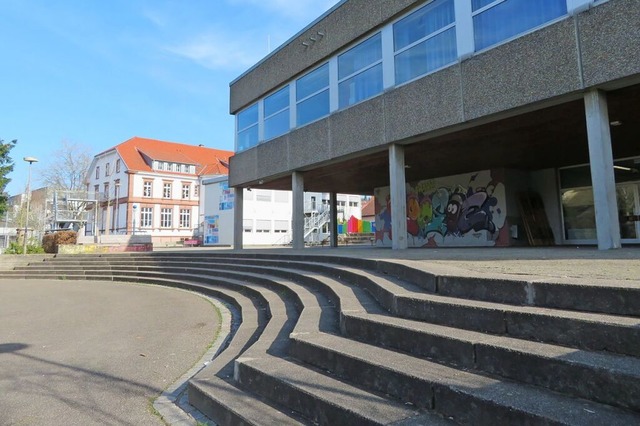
x=454, y=211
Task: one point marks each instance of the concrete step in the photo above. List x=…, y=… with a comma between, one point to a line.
x=466, y=397
x=323, y=399
x=599, y=376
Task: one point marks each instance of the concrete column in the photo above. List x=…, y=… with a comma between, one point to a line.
x=297, y=220
x=602, y=176
x=333, y=205
x=398, y=191
x=238, y=216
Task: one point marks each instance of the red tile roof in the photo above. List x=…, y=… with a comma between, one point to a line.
x=369, y=208
x=208, y=161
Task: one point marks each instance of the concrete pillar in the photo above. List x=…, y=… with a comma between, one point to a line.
x=333, y=205
x=297, y=220
x=238, y=216
x=398, y=191
x=602, y=176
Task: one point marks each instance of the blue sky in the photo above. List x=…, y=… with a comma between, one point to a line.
x=96, y=72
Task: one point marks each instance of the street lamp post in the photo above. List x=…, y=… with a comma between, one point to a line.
x=29, y=160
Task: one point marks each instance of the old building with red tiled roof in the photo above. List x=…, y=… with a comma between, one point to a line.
x=151, y=187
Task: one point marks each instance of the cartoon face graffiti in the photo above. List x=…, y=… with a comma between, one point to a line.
x=454, y=209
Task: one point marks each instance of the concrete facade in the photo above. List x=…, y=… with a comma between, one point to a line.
x=518, y=104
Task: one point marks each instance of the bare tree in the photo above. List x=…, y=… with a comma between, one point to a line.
x=67, y=167
x=65, y=174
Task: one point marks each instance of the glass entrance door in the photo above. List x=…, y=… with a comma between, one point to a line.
x=628, y=195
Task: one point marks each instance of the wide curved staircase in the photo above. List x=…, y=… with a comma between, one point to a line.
x=344, y=341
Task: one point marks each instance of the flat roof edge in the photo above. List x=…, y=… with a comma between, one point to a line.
x=291, y=39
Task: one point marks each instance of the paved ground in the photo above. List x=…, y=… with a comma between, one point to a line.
x=85, y=353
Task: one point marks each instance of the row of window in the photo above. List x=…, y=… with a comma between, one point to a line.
x=173, y=167
x=167, y=190
x=166, y=218
x=420, y=43
x=263, y=226
x=157, y=165
x=107, y=169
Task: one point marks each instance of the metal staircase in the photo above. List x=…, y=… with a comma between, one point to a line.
x=313, y=225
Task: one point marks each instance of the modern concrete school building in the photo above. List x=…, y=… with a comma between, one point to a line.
x=448, y=110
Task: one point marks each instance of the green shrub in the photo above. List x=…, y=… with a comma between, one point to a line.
x=15, y=248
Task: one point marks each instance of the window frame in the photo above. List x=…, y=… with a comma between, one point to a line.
x=398, y=52
x=311, y=95
x=186, y=191
x=362, y=70
x=185, y=218
x=166, y=217
x=147, y=184
x=251, y=125
x=167, y=190
x=146, y=213
x=495, y=3
x=267, y=117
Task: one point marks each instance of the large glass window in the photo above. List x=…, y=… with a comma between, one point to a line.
x=495, y=21
x=247, y=125
x=360, y=72
x=312, y=95
x=425, y=40
x=578, y=207
x=276, y=114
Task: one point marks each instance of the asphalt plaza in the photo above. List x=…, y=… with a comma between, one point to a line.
x=79, y=352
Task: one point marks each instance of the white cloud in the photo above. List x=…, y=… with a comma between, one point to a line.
x=218, y=51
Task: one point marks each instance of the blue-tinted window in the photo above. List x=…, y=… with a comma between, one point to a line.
x=361, y=86
x=247, y=138
x=363, y=55
x=276, y=114
x=423, y=22
x=427, y=56
x=276, y=125
x=248, y=117
x=247, y=124
x=313, y=82
x=313, y=108
x=312, y=94
x=360, y=72
x=479, y=4
x=425, y=40
x=512, y=17
x=276, y=102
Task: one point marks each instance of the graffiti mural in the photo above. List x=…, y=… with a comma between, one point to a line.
x=457, y=210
